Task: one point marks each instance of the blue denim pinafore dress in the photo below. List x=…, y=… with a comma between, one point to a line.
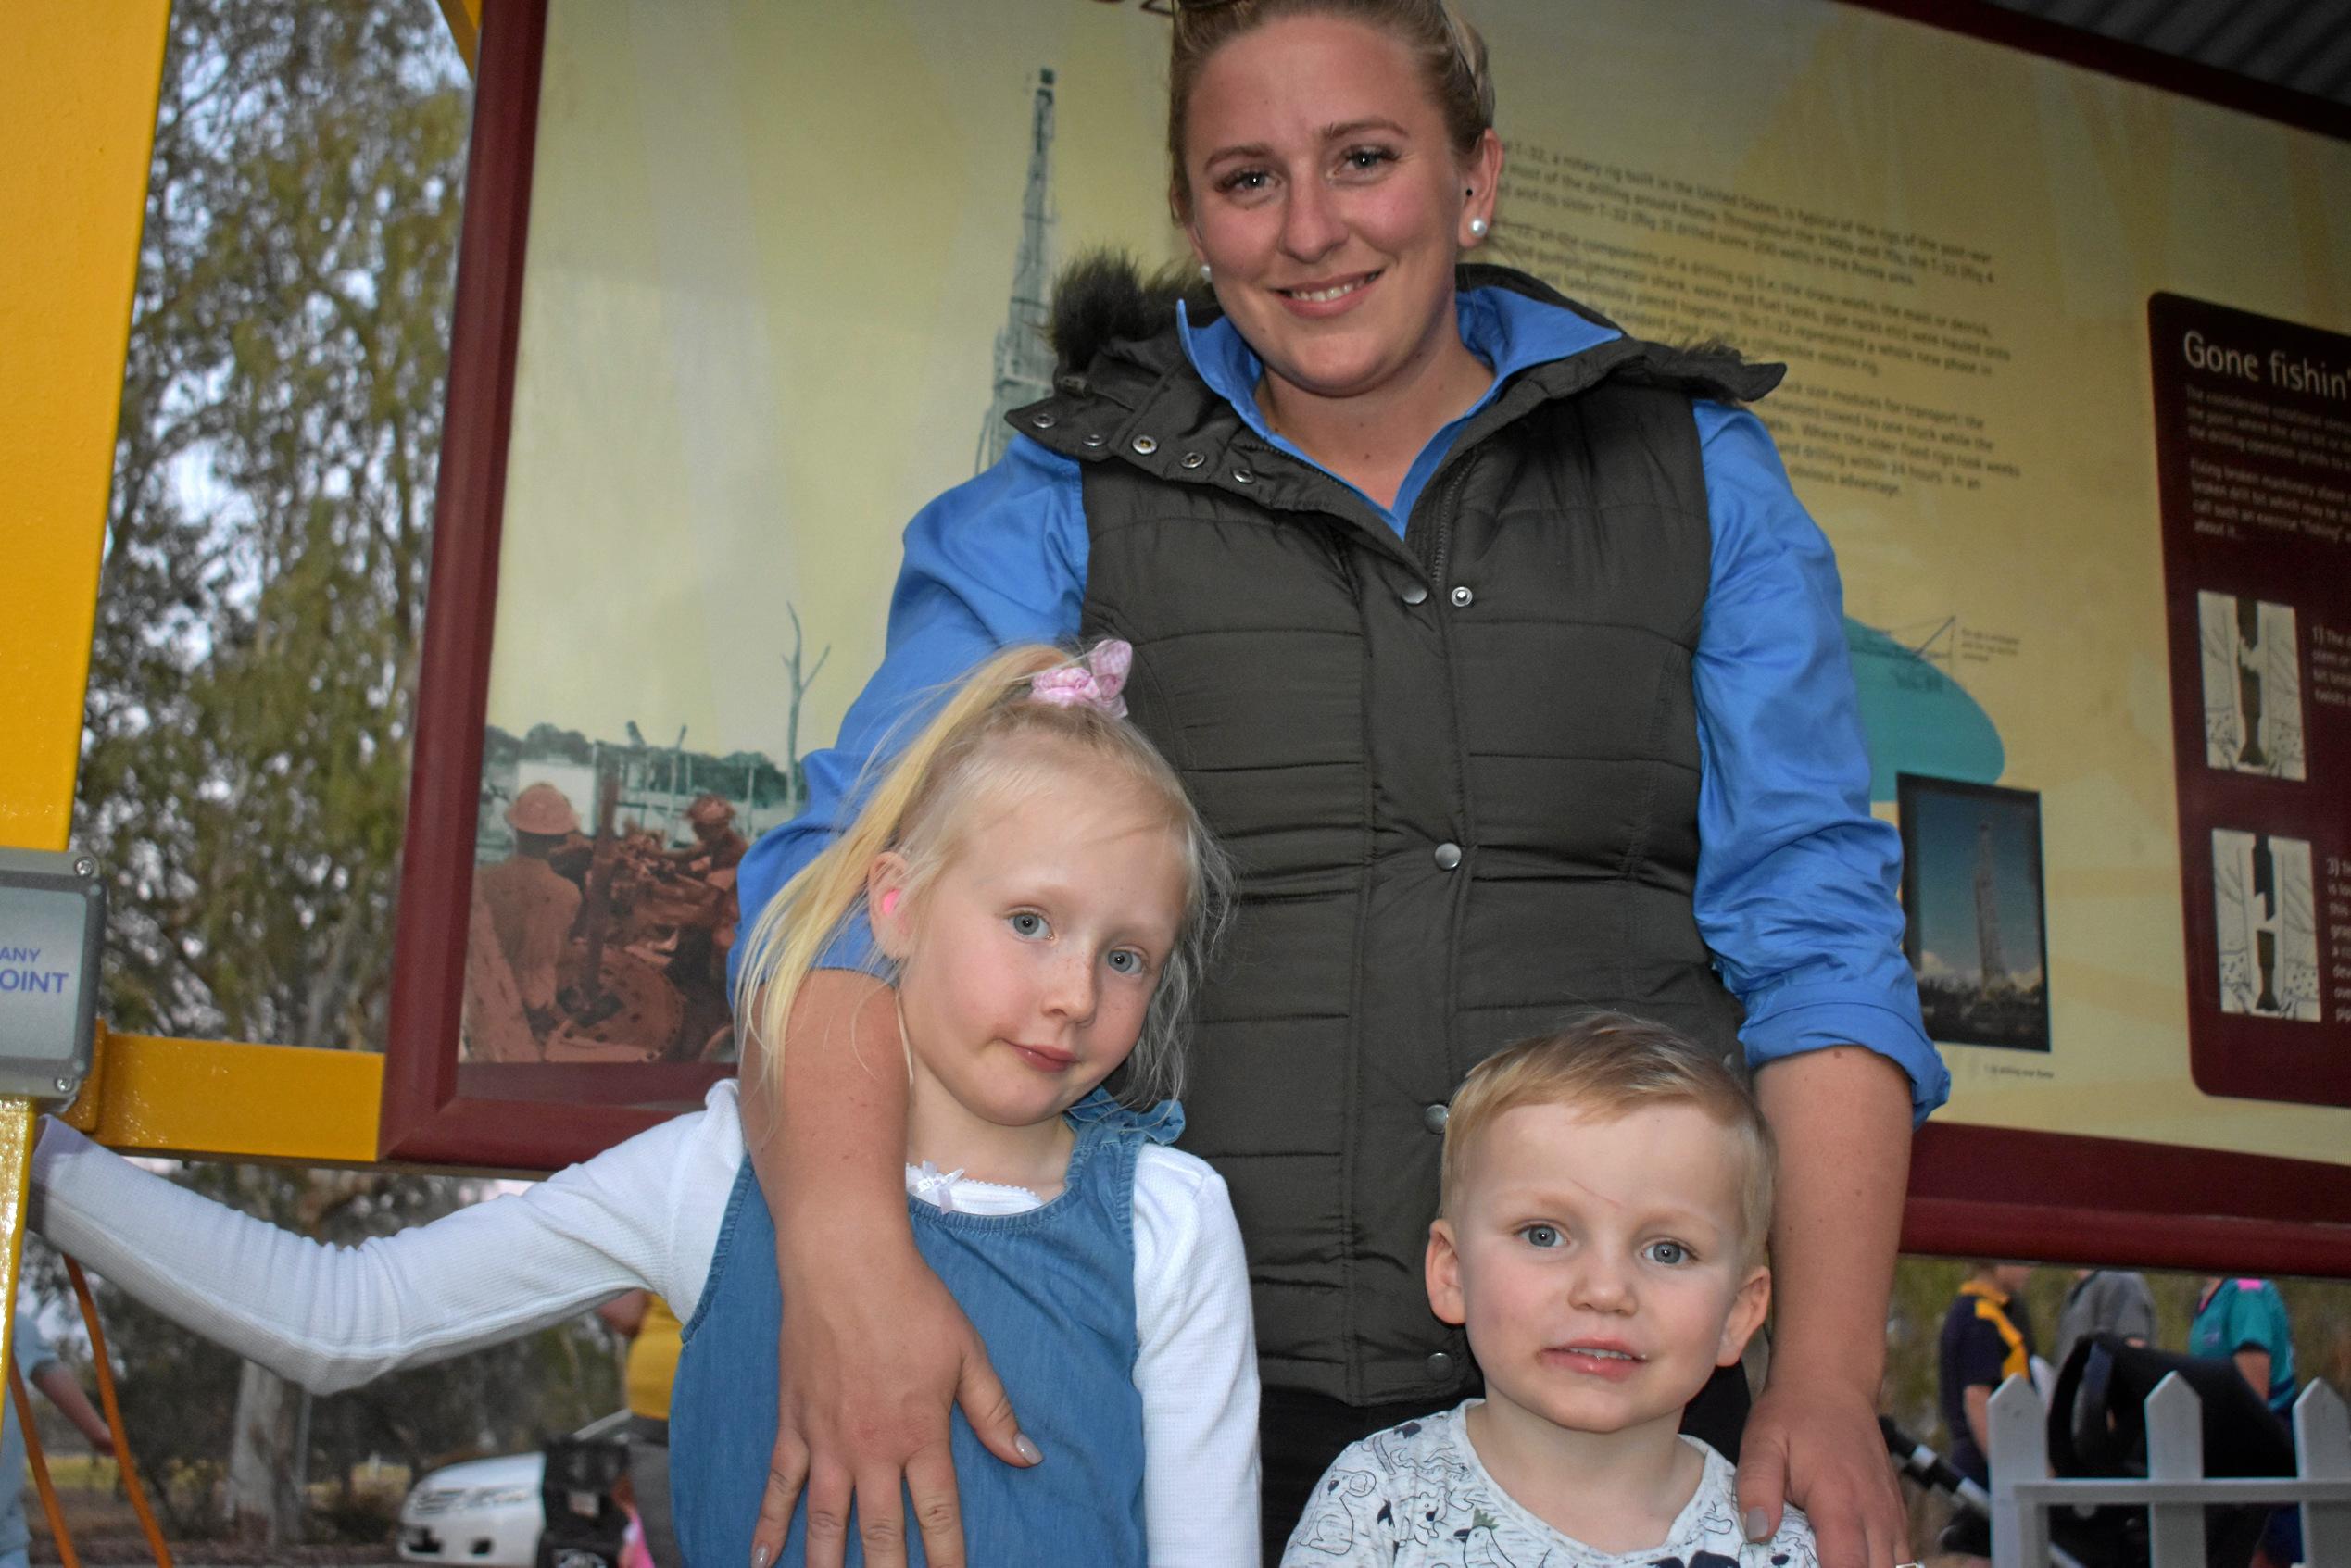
x=1052, y=1295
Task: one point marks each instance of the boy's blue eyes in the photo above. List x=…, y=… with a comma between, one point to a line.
x=1671, y=1254
x=1026, y=922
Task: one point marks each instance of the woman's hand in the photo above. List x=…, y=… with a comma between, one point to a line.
x=1841, y=1118
x=873, y=1353
x=1817, y=1445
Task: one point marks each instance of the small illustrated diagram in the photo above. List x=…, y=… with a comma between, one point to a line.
x=1917, y=716
x=2264, y=925
x=2252, y=685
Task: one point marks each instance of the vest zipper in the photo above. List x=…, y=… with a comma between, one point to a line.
x=1445, y=526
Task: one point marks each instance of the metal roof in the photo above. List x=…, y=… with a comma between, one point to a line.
x=2301, y=44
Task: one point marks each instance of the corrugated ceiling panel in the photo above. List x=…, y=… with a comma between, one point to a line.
x=2304, y=45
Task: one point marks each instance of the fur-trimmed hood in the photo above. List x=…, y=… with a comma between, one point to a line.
x=1106, y=296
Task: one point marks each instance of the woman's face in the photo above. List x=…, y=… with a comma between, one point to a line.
x=1330, y=201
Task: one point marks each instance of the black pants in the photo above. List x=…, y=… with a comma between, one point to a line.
x=1300, y=1434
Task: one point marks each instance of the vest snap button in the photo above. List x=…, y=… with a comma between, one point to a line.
x=1433, y=1117
x=1146, y=444
x=1462, y=596
x=1448, y=856
x=1414, y=593
x=1440, y=1365
x=1097, y=439
x=1042, y=421
x=1193, y=460
x=1242, y=476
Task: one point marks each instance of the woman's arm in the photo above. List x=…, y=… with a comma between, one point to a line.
x=1797, y=895
x=1841, y=1119
x=334, y=1317
x=1196, y=1367
x=873, y=1350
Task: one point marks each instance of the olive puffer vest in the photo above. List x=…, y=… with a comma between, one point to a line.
x=1457, y=773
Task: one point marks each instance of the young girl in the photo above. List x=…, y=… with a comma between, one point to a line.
x=1045, y=891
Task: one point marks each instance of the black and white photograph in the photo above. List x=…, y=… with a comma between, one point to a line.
x=2264, y=925
x=2252, y=685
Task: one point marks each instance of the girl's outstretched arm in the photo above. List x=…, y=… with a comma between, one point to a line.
x=333, y=1317
x=873, y=1350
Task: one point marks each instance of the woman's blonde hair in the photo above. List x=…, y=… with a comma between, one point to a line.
x=1449, y=51
x=988, y=741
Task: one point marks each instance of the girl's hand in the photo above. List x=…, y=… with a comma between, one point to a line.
x=1815, y=1444
x=874, y=1351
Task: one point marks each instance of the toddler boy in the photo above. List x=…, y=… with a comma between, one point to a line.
x=1605, y=1202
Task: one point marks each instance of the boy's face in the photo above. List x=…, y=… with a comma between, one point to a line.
x=1597, y=1264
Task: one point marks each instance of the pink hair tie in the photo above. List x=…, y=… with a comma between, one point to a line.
x=1093, y=679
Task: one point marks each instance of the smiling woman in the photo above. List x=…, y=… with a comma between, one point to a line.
x=1331, y=226
x=1495, y=644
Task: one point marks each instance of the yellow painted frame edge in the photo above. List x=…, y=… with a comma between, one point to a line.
x=464, y=18
x=218, y=1099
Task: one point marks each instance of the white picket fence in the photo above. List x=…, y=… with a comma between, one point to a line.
x=2176, y=1491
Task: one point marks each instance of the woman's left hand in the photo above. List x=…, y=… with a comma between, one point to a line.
x=1841, y=1117
x=1815, y=1443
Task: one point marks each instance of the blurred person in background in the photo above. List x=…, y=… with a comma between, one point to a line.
x=1987, y=1338
x=2245, y=1321
x=2111, y=1301
x=31, y=1352
x=653, y=1332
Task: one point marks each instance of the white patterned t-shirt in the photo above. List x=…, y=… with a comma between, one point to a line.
x=1417, y=1496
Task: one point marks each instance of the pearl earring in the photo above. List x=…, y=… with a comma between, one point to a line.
x=1207, y=273
x=1478, y=228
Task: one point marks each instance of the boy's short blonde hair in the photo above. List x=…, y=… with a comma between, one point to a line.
x=1606, y=1064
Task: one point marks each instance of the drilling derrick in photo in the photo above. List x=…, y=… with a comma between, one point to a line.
x=1024, y=356
x=1995, y=973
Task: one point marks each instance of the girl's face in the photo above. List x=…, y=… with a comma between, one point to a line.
x=1329, y=200
x=1029, y=960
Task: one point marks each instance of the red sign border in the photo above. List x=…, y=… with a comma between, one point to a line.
x=1975, y=1191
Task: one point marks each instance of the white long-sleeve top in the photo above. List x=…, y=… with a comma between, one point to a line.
x=646, y=1213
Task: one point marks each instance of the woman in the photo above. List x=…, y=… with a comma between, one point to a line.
x=1496, y=648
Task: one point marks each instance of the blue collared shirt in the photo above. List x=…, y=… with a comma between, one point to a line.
x=1798, y=886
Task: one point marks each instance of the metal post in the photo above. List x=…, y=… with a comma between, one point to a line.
x=78, y=91
x=2018, y=1451
x=2322, y=1442
x=2175, y=1452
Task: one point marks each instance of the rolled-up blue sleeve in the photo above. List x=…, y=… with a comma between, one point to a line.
x=1799, y=887
x=996, y=561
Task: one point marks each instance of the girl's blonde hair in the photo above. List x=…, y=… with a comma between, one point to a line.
x=989, y=741
x=1449, y=51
